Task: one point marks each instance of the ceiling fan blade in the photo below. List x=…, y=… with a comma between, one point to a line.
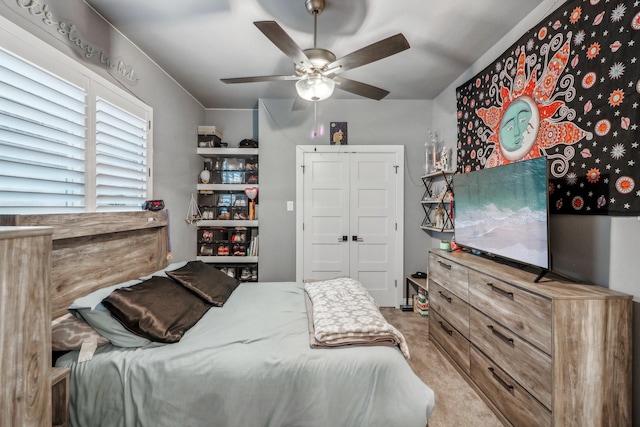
x=373, y=52
x=258, y=79
x=281, y=39
x=360, y=88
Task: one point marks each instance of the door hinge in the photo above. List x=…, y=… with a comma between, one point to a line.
x=396, y=282
x=396, y=226
x=302, y=166
x=149, y=124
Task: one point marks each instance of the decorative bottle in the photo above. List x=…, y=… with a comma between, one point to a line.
x=429, y=157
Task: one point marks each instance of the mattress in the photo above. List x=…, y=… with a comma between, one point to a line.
x=247, y=364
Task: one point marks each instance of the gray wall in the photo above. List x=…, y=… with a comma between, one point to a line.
x=176, y=113
x=235, y=125
x=369, y=123
x=602, y=250
x=596, y=249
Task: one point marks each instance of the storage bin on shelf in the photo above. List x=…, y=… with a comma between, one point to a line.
x=223, y=241
x=231, y=170
x=209, y=136
x=244, y=272
x=223, y=205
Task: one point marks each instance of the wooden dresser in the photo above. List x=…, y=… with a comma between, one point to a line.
x=552, y=353
x=25, y=326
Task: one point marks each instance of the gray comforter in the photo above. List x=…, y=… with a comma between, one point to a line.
x=247, y=364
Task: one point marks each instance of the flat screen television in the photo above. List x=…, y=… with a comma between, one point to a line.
x=504, y=211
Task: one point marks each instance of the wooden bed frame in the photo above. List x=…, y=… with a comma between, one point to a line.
x=94, y=250
x=75, y=254
x=91, y=251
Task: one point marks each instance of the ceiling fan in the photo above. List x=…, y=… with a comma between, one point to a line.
x=317, y=69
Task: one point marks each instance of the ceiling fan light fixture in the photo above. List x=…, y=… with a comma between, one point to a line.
x=315, y=87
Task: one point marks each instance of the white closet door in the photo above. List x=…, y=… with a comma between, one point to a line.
x=351, y=206
x=372, y=222
x=326, y=215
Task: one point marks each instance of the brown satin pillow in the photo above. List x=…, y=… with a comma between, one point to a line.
x=158, y=309
x=206, y=281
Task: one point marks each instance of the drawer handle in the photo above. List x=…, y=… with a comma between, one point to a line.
x=499, y=291
x=445, y=297
x=502, y=382
x=449, y=331
x=447, y=266
x=500, y=335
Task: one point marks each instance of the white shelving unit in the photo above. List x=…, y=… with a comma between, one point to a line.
x=227, y=236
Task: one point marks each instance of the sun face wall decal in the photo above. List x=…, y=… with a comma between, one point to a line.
x=568, y=90
x=522, y=124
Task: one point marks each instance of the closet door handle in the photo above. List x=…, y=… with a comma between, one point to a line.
x=343, y=239
x=357, y=239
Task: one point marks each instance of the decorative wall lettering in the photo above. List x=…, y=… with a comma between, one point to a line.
x=569, y=89
x=69, y=32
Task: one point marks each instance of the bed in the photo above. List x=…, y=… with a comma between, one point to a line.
x=246, y=363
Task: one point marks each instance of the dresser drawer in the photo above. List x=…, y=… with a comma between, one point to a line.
x=525, y=363
x=512, y=400
x=525, y=313
x=453, y=309
x=453, y=343
x=450, y=275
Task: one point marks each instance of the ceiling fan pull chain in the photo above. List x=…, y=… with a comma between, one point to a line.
x=315, y=118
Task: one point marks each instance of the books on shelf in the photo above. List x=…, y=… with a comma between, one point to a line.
x=253, y=246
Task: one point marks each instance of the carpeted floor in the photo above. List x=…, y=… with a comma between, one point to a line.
x=457, y=404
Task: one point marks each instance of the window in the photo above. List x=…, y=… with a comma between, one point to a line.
x=121, y=158
x=69, y=141
x=42, y=140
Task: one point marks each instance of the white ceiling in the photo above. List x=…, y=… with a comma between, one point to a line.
x=198, y=42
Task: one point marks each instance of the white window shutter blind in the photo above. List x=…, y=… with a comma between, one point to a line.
x=42, y=140
x=121, y=158
x=70, y=140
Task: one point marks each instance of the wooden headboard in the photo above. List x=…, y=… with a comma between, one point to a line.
x=94, y=250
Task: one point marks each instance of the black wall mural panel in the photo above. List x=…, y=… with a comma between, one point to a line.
x=569, y=89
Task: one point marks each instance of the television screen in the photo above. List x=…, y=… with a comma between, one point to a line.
x=503, y=211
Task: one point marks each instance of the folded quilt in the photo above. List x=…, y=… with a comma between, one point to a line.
x=342, y=312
